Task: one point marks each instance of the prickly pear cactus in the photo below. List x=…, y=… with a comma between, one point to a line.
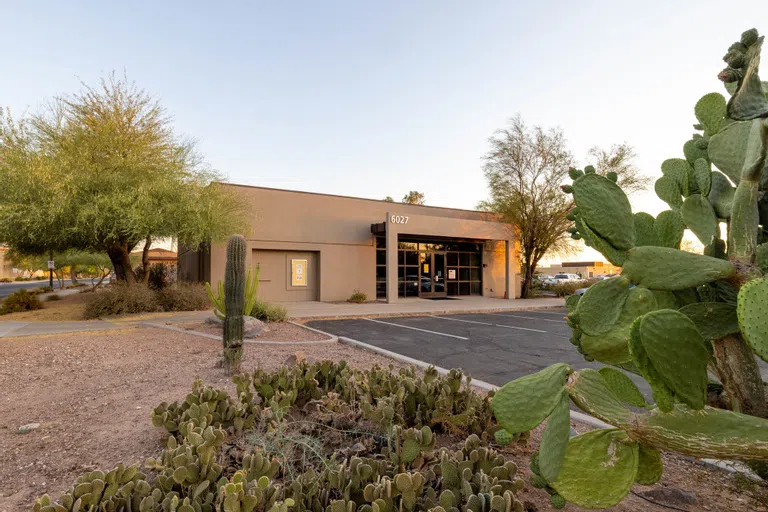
x=234, y=301
x=672, y=317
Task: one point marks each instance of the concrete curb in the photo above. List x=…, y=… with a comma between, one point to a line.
x=332, y=339
x=580, y=417
x=425, y=313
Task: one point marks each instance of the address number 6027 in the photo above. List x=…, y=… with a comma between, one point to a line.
x=399, y=219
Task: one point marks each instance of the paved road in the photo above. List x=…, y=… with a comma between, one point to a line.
x=8, y=288
x=494, y=347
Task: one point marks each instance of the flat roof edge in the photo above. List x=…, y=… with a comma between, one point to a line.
x=350, y=197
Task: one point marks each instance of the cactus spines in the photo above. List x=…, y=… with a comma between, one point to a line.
x=753, y=315
x=234, y=296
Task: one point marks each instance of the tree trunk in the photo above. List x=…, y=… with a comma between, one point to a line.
x=73, y=274
x=737, y=369
x=120, y=255
x=525, y=286
x=145, y=260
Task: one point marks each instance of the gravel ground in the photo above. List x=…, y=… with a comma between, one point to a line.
x=278, y=331
x=92, y=394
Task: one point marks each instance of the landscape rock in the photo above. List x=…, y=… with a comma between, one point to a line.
x=670, y=496
x=253, y=327
x=29, y=427
x=214, y=320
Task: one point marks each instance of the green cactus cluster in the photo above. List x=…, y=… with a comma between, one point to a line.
x=675, y=318
x=234, y=301
x=199, y=471
x=251, y=294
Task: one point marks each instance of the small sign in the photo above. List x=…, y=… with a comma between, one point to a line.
x=426, y=268
x=51, y=266
x=298, y=272
x=451, y=273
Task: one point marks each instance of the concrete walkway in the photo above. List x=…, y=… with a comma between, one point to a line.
x=296, y=310
x=415, y=306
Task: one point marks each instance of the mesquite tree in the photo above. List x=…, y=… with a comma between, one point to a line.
x=687, y=319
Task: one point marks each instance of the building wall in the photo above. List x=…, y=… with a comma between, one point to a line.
x=336, y=230
x=6, y=269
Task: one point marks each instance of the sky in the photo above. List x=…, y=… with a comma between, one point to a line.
x=374, y=99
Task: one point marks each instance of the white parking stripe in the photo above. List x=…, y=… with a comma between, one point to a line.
x=416, y=329
x=531, y=318
x=483, y=323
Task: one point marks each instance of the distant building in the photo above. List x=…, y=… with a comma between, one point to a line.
x=158, y=255
x=585, y=269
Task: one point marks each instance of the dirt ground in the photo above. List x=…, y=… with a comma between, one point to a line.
x=277, y=331
x=69, y=308
x=92, y=394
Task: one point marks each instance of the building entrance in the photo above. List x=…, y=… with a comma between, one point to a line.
x=432, y=275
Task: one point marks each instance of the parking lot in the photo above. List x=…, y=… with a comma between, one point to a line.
x=493, y=347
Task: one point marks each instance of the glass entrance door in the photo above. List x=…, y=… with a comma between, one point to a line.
x=432, y=275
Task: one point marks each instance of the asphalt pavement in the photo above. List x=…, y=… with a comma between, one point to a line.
x=8, y=288
x=493, y=347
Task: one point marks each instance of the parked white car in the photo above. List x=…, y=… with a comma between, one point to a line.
x=562, y=278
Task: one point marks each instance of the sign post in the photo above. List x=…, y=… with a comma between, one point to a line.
x=50, y=269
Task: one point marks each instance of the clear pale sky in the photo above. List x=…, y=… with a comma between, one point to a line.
x=377, y=98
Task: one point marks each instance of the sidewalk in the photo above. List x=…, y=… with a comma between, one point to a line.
x=296, y=310
x=415, y=306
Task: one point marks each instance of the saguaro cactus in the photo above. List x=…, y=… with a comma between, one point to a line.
x=686, y=315
x=234, y=297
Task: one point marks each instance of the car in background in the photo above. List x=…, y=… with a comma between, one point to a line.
x=562, y=278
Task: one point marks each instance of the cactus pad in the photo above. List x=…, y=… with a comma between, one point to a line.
x=649, y=467
x=589, y=392
x=753, y=315
x=524, y=403
x=702, y=172
x=669, y=191
x=721, y=195
x=622, y=386
x=713, y=319
x=599, y=469
x=663, y=268
x=669, y=228
x=645, y=234
x=661, y=392
x=601, y=305
x=678, y=352
x=749, y=101
x=728, y=148
x=700, y=218
x=554, y=440
x=606, y=210
x=710, y=111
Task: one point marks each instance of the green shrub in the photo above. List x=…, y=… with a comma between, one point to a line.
x=5, y=280
x=19, y=278
x=267, y=312
x=41, y=290
x=120, y=299
x=183, y=297
x=18, y=301
x=52, y=298
x=358, y=297
x=569, y=287
x=160, y=275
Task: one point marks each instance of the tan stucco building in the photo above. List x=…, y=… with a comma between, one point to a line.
x=324, y=247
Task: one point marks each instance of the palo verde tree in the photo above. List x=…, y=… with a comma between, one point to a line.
x=103, y=170
x=688, y=319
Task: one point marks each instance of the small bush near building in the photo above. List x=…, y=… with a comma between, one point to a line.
x=183, y=297
x=120, y=299
x=267, y=312
x=358, y=297
x=160, y=275
x=569, y=287
x=18, y=301
x=5, y=280
x=52, y=298
x=42, y=289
